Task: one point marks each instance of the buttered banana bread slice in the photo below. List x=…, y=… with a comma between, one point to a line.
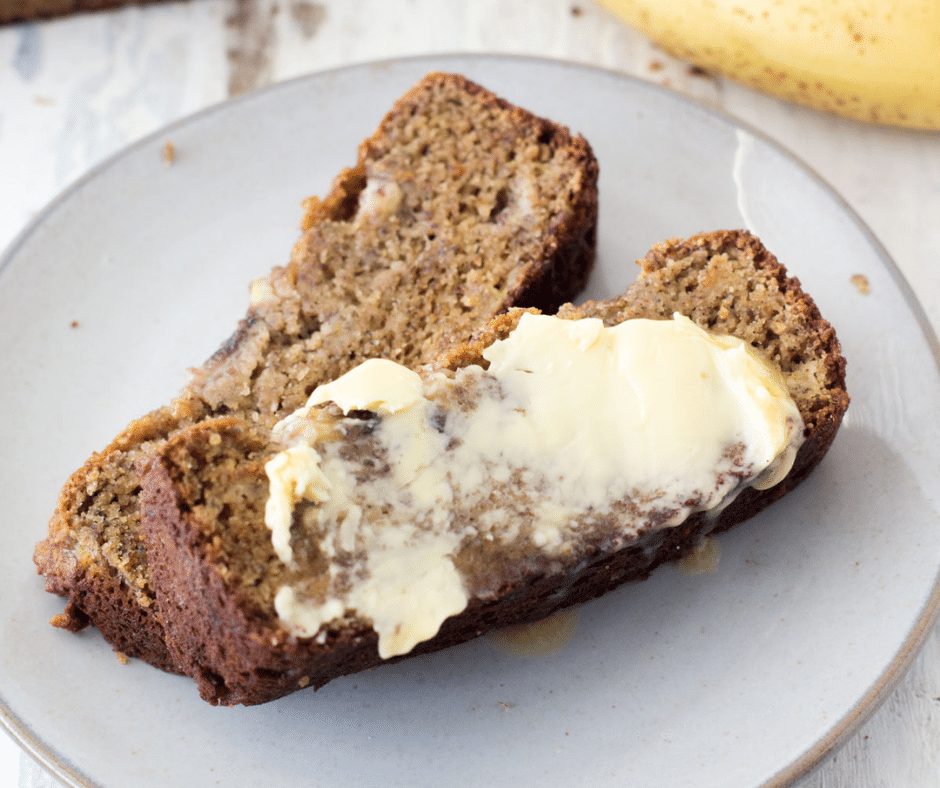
x=540, y=465
x=461, y=206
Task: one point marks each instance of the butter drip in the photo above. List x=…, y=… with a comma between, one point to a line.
x=575, y=431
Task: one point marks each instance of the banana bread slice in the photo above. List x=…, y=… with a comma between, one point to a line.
x=461, y=206
x=229, y=584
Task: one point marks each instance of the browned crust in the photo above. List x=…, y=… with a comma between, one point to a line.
x=97, y=595
x=238, y=654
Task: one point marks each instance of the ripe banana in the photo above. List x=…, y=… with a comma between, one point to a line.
x=872, y=60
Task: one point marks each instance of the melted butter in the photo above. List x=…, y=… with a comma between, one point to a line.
x=569, y=419
x=664, y=398
x=542, y=637
x=703, y=560
x=407, y=593
x=294, y=474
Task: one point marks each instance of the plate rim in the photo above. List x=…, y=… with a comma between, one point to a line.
x=840, y=730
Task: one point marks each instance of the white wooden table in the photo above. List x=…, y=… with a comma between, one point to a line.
x=73, y=91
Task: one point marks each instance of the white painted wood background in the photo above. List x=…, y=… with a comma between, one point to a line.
x=73, y=91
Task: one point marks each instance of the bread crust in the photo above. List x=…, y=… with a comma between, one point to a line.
x=236, y=649
x=94, y=554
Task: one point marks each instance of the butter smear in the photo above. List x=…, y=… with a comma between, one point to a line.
x=575, y=431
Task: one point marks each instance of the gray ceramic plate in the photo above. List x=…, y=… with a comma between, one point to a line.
x=743, y=677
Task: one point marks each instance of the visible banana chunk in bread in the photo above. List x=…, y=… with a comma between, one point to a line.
x=542, y=464
x=460, y=207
